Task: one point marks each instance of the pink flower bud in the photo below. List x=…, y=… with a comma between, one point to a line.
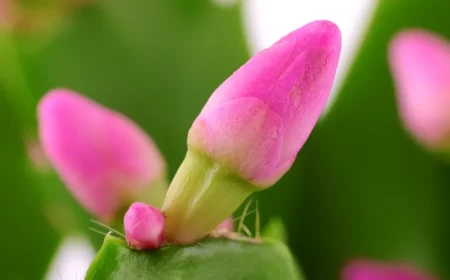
x=256, y=122
x=420, y=63
x=251, y=129
x=365, y=270
x=143, y=226
x=105, y=160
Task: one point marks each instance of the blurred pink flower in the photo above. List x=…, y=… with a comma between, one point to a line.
x=367, y=270
x=256, y=122
x=420, y=63
x=104, y=159
x=8, y=14
x=143, y=226
x=2, y=10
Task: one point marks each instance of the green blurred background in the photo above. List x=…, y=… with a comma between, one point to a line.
x=360, y=187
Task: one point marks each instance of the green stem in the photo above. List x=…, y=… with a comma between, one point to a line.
x=13, y=80
x=201, y=196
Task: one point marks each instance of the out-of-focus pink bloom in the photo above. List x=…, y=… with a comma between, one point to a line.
x=2, y=10
x=105, y=159
x=39, y=17
x=7, y=13
x=225, y=226
x=366, y=270
x=143, y=226
x=420, y=63
x=256, y=122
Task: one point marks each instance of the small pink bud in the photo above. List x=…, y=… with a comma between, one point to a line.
x=420, y=63
x=365, y=270
x=105, y=159
x=143, y=226
x=256, y=122
x=225, y=226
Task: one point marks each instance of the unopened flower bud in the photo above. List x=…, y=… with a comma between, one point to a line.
x=420, y=63
x=249, y=132
x=105, y=160
x=143, y=226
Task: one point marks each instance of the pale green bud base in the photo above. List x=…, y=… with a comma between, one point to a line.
x=201, y=196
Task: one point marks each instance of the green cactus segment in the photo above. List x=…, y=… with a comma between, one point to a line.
x=209, y=259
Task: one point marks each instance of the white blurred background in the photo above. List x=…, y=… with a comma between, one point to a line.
x=265, y=22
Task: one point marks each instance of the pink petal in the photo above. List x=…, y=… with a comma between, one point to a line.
x=292, y=79
x=143, y=226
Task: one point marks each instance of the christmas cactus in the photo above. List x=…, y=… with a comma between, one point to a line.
x=245, y=138
x=146, y=127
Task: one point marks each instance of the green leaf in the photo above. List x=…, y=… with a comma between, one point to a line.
x=209, y=259
x=26, y=238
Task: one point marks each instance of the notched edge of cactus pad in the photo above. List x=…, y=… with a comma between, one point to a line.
x=212, y=258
